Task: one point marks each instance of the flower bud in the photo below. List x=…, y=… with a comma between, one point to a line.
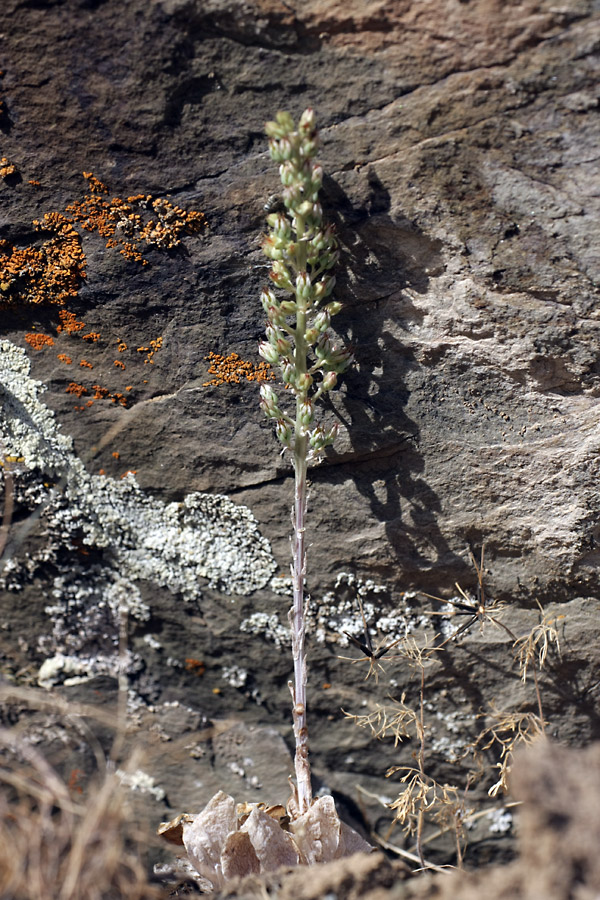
x=279, y=224
x=311, y=335
x=307, y=120
x=329, y=381
x=325, y=286
x=308, y=148
x=268, y=353
x=284, y=348
x=280, y=276
x=323, y=348
x=273, y=334
x=287, y=174
x=304, y=209
x=289, y=307
x=288, y=372
x=268, y=395
x=274, y=150
x=306, y=412
x=316, y=178
x=315, y=439
x=322, y=320
x=292, y=196
x=284, y=120
x=276, y=317
x=303, y=382
x=274, y=131
x=303, y=286
x=333, y=308
x=286, y=151
x=284, y=433
x=267, y=299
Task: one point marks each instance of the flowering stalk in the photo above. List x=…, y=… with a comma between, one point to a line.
x=302, y=250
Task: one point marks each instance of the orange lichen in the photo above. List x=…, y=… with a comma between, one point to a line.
x=129, y=472
x=92, y=337
x=195, y=665
x=39, y=341
x=33, y=182
x=155, y=346
x=69, y=322
x=7, y=168
x=119, y=364
x=77, y=389
x=129, y=387
x=125, y=224
x=48, y=273
x=121, y=346
x=85, y=364
x=115, y=454
x=64, y=358
x=101, y=392
x=233, y=369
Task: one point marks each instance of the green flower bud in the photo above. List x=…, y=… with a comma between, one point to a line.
x=287, y=174
x=325, y=286
x=274, y=131
x=333, y=308
x=303, y=286
x=322, y=320
x=304, y=209
x=289, y=307
x=308, y=148
x=285, y=120
x=268, y=402
x=284, y=434
x=268, y=353
x=329, y=381
x=323, y=348
x=276, y=317
x=288, y=372
x=280, y=276
x=273, y=334
x=280, y=225
x=306, y=412
x=311, y=335
x=307, y=120
x=284, y=348
x=303, y=382
x=267, y=299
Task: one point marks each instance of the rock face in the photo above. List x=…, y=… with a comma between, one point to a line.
x=459, y=141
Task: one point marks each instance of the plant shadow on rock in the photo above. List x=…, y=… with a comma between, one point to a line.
x=382, y=255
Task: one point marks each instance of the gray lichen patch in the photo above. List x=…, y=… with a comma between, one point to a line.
x=204, y=540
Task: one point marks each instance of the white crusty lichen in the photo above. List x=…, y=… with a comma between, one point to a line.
x=339, y=613
x=206, y=539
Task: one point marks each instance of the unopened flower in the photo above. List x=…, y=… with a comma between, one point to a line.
x=268, y=353
x=303, y=381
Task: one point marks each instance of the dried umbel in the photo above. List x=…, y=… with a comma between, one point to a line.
x=225, y=841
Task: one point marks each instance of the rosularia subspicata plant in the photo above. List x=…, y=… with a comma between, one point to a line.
x=303, y=251
x=226, y=840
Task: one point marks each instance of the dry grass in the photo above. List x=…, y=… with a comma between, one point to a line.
x=58, y=844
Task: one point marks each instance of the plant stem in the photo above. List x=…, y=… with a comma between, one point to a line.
x=297, y=613
x=298, y=628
